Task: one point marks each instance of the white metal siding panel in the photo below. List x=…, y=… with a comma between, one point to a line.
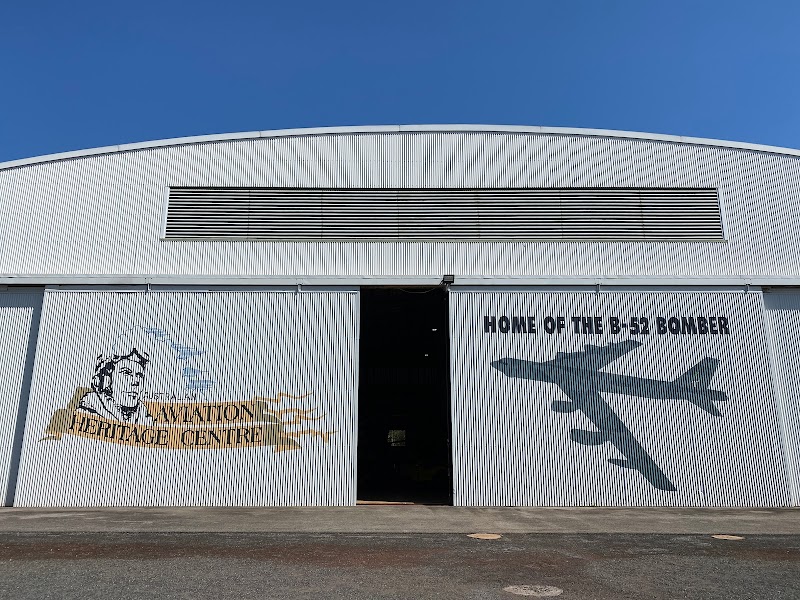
x=63, y=216
x=783, y=320
x=19, y=313
x=8, y=190
x=252, y=343
x=511, y=448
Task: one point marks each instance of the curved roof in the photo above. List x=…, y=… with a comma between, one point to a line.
x=66, y=216
x=200, y=139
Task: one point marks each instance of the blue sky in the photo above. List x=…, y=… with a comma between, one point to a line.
x=84, y=74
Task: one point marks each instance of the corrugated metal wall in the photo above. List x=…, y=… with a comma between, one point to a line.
x=512, y=446
x=19, y=321
x=783, y=320
x=204, y=349
x=118, y=201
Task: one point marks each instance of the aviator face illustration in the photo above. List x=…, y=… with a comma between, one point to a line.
x=129, y=379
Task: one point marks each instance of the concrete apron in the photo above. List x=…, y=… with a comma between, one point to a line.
x=406, y=519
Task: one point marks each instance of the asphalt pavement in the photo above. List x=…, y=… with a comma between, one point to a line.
x=403, y=519
x=399, y=552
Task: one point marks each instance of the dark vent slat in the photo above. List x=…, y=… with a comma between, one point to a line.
x=536, y=215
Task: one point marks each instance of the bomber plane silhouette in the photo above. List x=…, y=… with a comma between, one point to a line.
x=579, y=376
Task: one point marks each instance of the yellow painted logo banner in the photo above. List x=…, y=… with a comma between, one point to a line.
x=193, y=425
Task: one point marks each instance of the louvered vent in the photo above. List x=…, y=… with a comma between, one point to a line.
x=573, y=214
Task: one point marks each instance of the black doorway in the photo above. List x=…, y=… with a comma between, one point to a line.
x=404, y=396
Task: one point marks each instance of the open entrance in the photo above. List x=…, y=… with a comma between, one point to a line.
x=404, y=396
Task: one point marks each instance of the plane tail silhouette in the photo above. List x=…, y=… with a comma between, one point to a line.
x=697, y=380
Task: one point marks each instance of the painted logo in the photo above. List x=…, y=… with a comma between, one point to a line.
x=117, y=408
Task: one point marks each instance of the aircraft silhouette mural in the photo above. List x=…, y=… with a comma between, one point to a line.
x=580, y=377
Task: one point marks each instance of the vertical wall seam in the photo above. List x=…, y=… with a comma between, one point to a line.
x=782, y=406
x=22, y=411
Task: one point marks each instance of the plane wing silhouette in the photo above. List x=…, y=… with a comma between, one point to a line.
x=611, y=429
x=595, y=357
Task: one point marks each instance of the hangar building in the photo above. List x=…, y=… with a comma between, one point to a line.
x=475, y=315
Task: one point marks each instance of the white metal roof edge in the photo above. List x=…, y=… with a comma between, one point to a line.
x=277, y=133
x=387, y=280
